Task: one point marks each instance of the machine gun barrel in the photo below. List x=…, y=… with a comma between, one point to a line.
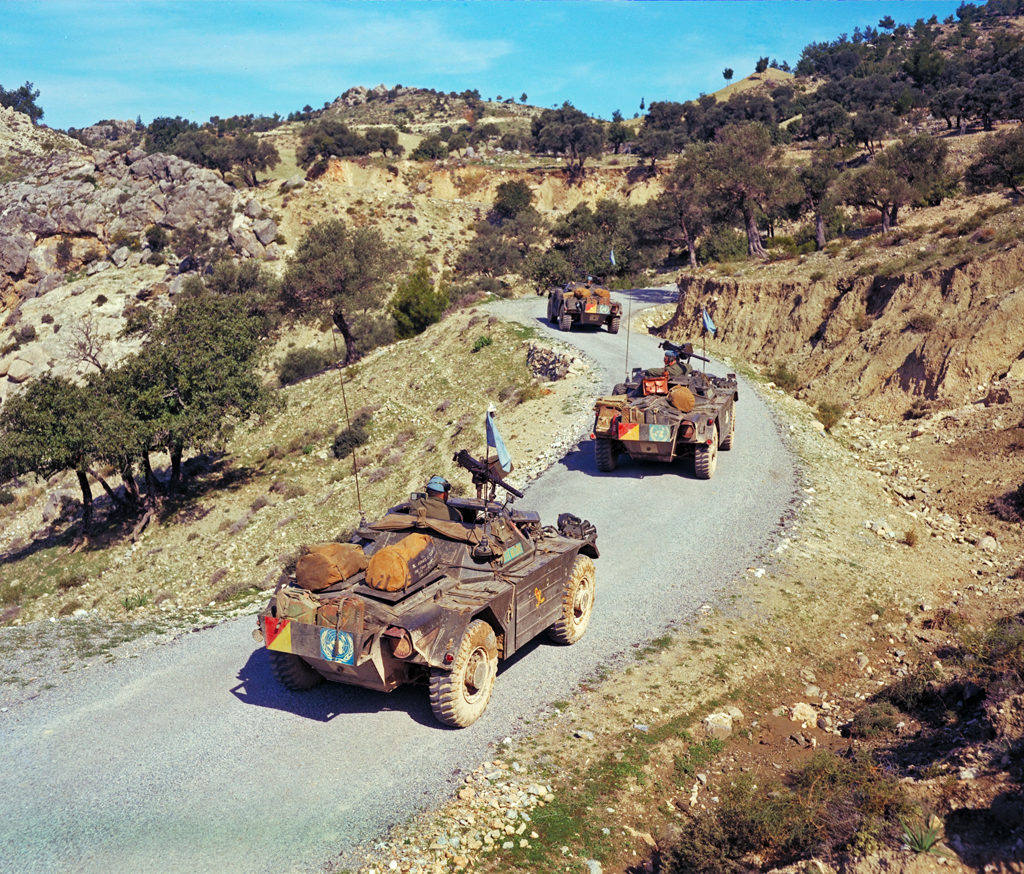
x=482, y=473
x=685, y=350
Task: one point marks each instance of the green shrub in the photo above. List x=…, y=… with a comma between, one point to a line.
x=922, y=323
x=782, y=245
x=879, y=717
x=352, y=437
x=829, y=413
x=830, y=805
x=64, y=253
x=122, y=237
x=723, y=243
x=784, y=378
x=6, y=497
x=299, y=364
x=481, y=342
x=1010, y=506
x=418, y=303
x=914, y=692
x=431, y=148
x=157, y=238
x=546, y=269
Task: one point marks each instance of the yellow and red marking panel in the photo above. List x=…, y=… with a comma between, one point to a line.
x=650, y=433
x=330, y=644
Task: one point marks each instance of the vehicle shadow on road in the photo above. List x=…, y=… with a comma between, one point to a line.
x=258, y=686
x=581, y=460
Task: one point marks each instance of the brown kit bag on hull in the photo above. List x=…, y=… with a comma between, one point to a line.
x=329, y=563
x=400, y=565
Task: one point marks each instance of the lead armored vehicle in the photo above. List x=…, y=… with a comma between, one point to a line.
x=583, y=303
x=414, y=599
x=658, y=417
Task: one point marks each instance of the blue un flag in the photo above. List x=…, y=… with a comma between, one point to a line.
x=495, y=442
x=708, y=324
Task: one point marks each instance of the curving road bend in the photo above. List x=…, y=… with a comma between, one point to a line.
x=191, y=757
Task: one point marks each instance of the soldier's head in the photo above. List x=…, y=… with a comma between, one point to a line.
x=671, y=357
x=438, y=487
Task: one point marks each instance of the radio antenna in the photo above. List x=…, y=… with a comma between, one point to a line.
x=629, y=311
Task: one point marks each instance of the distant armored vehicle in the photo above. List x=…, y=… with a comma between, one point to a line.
x=661, y=417
x=583, y=303
x=417, y=599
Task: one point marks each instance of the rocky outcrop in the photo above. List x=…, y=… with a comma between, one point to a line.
x=106, y=133
x=84, y=210
x=879, y=343
x=359, y=94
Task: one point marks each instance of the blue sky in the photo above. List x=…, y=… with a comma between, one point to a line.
x=96, y=59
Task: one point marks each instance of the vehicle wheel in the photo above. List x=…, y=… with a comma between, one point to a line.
x=729, y=438
x=705, y=458
x=605, y=455
x=613, y=325
x=577, y=603
x=292, y=672
x=551, y=313
x=458, y=697
x=565, y=323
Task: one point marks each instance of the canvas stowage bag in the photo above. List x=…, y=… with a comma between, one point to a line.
x=329, y=563
x=400, y=565
x=681, y=398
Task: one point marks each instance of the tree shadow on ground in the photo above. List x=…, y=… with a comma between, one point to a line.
x=112, y=525
x=970, y=736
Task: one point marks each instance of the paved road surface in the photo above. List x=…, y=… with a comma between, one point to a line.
x=191, y=758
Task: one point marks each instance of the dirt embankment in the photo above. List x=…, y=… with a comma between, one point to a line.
x=945, y=335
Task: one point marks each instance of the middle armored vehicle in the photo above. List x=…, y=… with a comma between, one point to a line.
x=662, y=417
x=583, y=303
x=416, y=599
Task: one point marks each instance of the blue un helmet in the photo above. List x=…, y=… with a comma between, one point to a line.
x=438, y=484
x=671, y=354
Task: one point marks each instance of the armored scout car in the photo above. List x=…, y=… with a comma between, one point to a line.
x=417, y=599
x=662, y=418
x=583, y=303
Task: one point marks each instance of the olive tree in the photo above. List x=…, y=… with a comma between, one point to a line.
x=570, y=133
x=746, y=175
x=343, y=273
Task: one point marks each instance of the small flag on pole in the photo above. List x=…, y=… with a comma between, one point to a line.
x=613, y=258
x=495, y=442
x=708, y=324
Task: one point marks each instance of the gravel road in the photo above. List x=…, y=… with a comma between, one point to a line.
x=189, y=756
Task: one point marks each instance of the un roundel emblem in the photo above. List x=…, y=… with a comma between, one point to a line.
x=659, y=433
x=346, y=649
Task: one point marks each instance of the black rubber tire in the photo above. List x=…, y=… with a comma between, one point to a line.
x=705, y=458
x=459, y=697
x=729, y=439
x=551, y=313
x=292, y=672
x=605, y=455
x=613, y=325
x=565, y=322
x=577, y=603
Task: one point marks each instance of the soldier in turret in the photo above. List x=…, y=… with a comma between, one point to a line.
x=435, y=504
x=675, y=367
